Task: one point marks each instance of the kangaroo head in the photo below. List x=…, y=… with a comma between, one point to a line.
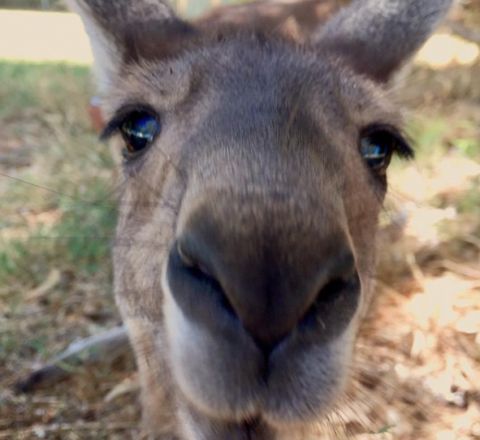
x=254, y=173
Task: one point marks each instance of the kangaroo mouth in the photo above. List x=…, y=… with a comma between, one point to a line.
x=255, y=429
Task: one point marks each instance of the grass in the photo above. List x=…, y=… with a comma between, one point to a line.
x=41, y=88
x=58, y=213
x=52, y=5
x=71, y=171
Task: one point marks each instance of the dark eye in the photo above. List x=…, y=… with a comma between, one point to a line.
x=139, y=130
x=377, y=145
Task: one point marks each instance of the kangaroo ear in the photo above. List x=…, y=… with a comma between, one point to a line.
x=125, y=30
x=377, y=36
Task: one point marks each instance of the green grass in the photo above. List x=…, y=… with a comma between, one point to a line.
x=470, y=201
x=51, y=5
x=80, y=241
x=27, y=87
x=59, y=212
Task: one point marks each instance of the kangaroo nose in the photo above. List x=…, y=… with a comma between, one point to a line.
x=268, y=285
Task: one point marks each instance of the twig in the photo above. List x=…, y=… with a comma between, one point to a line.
x=461, y=269
x=105, y=347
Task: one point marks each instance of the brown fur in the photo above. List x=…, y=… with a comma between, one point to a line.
x=257, y=171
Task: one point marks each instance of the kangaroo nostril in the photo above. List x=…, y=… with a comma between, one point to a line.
x=201, y=273
x=186, y=259
x=196, y=268
x=336, y=298
x=333, y=290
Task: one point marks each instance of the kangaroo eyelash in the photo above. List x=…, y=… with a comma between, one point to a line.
x=121, y=115
x=402, y=145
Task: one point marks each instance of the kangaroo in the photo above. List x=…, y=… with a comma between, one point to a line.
x=255, y=168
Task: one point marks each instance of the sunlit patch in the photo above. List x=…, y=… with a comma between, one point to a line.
x=43, y=37
x=416, y=186
x=444, y=50
x=437, y=303
x=451, y=173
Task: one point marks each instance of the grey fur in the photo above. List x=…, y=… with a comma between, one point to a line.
x=377, y=36
x=258, y=165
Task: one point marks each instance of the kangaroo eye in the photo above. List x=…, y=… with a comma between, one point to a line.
x=376, y=150
x=377, y=145
x=139, y=130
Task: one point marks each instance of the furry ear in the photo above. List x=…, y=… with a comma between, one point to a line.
x=125, y=30
x=377, y=36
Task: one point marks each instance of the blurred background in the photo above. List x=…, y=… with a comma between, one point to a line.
x=419, y=353
x=189, y=7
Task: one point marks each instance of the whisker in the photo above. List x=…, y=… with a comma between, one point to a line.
x=98, y=202
x=45, y=188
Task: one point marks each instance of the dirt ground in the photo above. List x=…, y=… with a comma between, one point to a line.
x=418, y=358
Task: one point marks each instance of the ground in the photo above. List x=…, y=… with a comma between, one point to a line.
x=419, y=353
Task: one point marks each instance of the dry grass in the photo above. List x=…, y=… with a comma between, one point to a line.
x=419, y=351
x=58, y=213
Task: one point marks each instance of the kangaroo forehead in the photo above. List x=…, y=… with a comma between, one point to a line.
x=260, y=74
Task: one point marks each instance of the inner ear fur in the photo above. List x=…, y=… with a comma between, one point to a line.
x=375, y=37
x=122, y=31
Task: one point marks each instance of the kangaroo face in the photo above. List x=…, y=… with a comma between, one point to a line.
x=254, y=173
x=251, y=221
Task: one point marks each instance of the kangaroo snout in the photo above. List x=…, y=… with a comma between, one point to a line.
x=254, y=275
